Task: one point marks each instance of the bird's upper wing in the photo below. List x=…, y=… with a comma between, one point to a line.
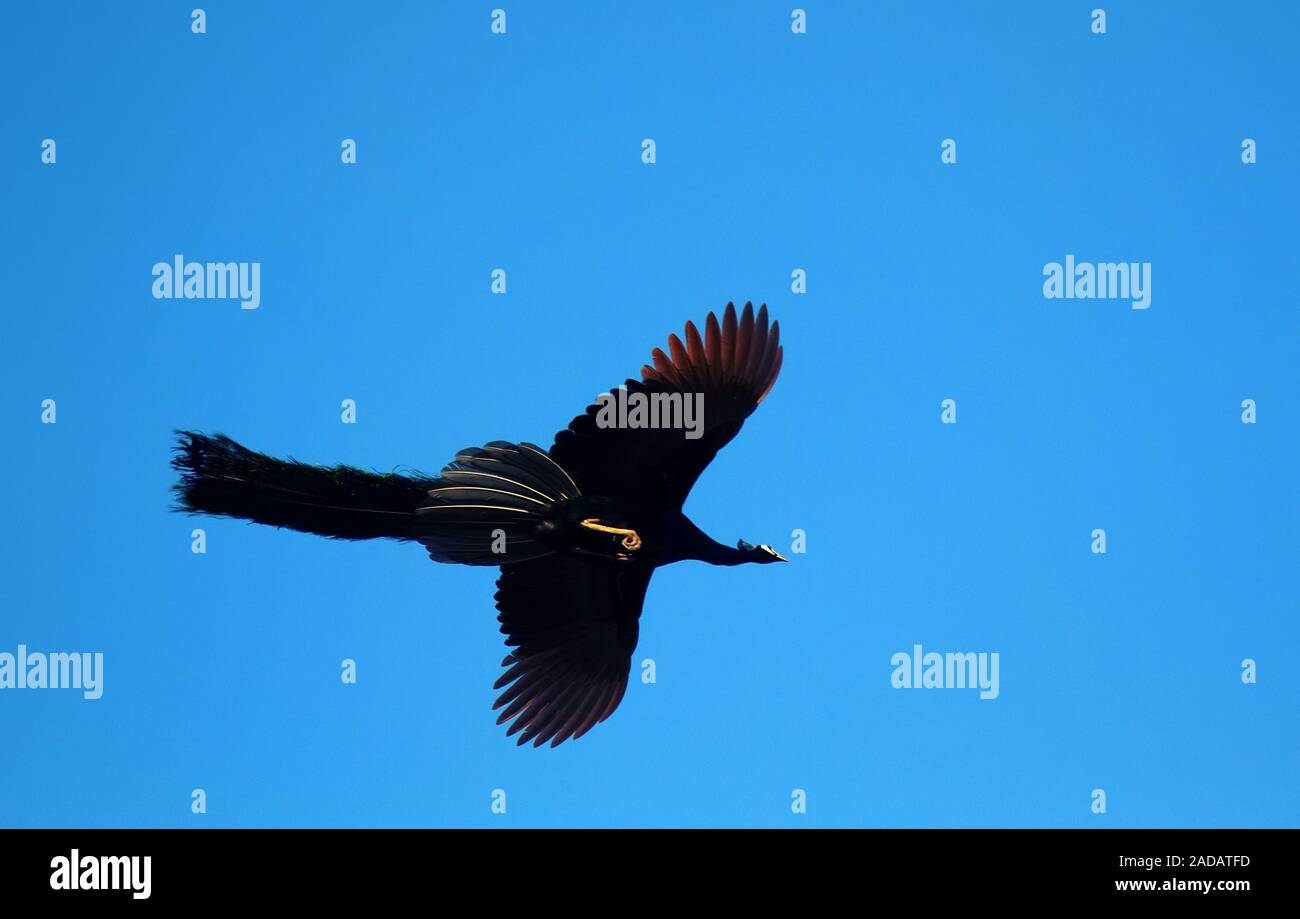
x=573, y=627
x=733, y=367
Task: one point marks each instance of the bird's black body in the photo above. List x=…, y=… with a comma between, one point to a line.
x=577, y=530
x=666, y=536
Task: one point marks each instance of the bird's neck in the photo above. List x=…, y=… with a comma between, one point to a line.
x=702, y=547
x=725, y=555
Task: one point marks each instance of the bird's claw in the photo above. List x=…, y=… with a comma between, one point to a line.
x=631, y=539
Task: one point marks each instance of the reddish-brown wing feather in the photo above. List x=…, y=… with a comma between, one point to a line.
x=733, y=366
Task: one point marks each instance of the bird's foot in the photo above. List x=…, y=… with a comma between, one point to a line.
x=631, y=539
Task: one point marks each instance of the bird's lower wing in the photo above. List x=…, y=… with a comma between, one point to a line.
x=573, y=627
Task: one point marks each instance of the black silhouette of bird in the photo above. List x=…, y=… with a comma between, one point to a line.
x=577, y=530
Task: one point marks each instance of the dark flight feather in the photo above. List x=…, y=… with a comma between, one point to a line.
x=734, y=368
x=573, y=627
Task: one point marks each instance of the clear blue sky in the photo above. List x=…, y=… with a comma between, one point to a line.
x=775, y=151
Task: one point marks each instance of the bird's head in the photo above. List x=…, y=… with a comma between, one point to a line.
x=763, y=555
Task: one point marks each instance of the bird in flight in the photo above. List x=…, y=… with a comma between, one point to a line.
x=577, y=530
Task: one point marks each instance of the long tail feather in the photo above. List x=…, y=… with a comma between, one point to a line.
x=484, y=509
x=223, y=478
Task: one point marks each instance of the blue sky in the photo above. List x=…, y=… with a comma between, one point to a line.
x=775, y=151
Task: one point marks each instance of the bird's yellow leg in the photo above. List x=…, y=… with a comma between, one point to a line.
x=631, y=539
